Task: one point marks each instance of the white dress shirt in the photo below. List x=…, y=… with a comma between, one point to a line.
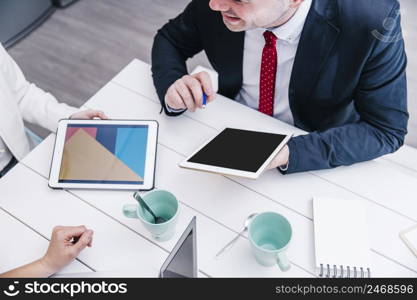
x=288, y=36
x=20, y=100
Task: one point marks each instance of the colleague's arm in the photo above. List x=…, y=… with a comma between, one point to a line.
x=36, y=105
x=174, y=43
x=62, y=250
x=380, y=100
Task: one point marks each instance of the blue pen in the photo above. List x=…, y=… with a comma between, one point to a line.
x=204, y=100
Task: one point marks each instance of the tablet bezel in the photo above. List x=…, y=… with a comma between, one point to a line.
x=233, y=172
x=150, y=164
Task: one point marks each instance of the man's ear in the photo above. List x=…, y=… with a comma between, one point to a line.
x=295, y=3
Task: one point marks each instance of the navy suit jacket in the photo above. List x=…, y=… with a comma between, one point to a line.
x=348, y=85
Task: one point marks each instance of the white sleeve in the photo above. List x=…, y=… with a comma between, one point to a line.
x=36, y=105
x=173, y=110
x=284, y=168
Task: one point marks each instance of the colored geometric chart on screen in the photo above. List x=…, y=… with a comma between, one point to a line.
x=104, y=153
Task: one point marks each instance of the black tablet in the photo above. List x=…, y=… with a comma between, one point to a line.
x=237, y=152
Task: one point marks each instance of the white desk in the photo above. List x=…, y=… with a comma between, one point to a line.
x=220, y=203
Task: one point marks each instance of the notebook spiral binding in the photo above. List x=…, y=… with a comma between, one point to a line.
x=325, y=272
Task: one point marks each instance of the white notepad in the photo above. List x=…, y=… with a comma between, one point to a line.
x=409, y=236
x=341, y=238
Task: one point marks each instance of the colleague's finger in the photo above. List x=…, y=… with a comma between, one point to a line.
x=72, y=231
x=100, y=114
x=90, y=242
x=194, y=86
x=174, y=100
x=207, y=85
x=83, y=242
x=56, y=229
x=185, y=94
x=91, y=114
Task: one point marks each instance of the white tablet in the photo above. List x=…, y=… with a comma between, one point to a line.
x=104, y=154
x=237, y=152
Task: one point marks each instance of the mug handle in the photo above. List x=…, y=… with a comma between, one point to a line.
x=130, y=210
x=283, y=261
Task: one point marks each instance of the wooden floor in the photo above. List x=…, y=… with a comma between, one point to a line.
x=79, y=49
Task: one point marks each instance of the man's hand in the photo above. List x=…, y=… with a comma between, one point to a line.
x=281, y=160
x=66, y=243
x=187, y=92
x=89, y=114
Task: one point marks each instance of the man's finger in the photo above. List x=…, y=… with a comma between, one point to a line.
x=207, y=85
x=185, y=94
x=211, y=98
x=195, y=87
x=174, y=100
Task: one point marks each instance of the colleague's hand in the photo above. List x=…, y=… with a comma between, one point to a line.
x=281, y=160
x=66, y=243
x=89, y=114
x=187, y=92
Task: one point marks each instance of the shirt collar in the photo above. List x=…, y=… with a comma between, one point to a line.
x=291, y=31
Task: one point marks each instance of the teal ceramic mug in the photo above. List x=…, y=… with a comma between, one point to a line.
x=270, y=234
x=164, y=204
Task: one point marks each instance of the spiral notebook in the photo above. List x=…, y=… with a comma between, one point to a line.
x=409, y=236
x=341, y=238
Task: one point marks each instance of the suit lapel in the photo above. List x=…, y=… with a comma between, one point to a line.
x=317, y=40
x=231, y=61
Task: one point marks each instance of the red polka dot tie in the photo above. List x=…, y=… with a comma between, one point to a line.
x=268, y=74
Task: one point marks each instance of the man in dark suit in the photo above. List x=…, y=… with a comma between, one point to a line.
x=335, y=68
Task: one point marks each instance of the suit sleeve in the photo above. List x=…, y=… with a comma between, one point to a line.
x=36, y=106
x=174, y=43
x=380, y=100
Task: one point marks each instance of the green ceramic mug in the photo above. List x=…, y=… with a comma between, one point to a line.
x=163, y=204
x=270, y=234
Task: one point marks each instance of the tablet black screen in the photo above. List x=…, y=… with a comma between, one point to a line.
x=182, y=263
x=238, y=149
